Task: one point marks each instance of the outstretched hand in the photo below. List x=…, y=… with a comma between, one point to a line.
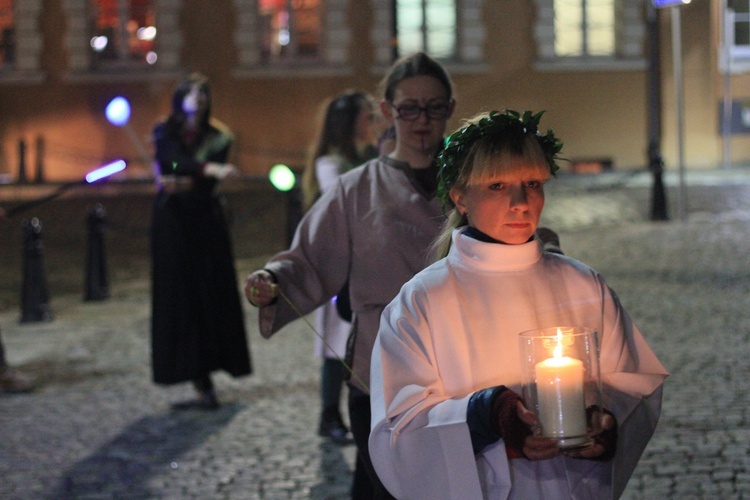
x=260, y=289
x=220, y=170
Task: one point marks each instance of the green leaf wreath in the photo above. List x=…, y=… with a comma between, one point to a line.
x=509, y=122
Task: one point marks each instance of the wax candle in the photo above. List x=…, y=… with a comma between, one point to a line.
x=562, y=411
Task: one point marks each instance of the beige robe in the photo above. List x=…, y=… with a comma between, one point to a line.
x=375, y=226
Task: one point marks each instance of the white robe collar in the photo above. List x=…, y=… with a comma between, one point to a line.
x=481, y=256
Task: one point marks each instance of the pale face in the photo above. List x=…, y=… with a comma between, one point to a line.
x=506, y=204
x=417, y=140
x=195, y=101
x=364, y=126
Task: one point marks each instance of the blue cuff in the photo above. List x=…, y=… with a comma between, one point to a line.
x=478, y=418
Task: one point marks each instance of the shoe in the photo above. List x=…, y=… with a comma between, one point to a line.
x=333, y=428
x=550, y=240
x=338, y=433
x=15, y=382
x=207, y=401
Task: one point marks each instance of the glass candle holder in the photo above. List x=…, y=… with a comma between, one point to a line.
x=561, y=383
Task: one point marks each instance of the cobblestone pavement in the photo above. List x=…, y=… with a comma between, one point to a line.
x=96, y=427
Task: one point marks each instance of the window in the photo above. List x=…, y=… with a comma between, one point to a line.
x=426, y=25
x=595, y=35
x=290, y=29
x=20, y=41
x=122, y=33
x=737, y=36
x=120, y=39
x=7, y=35
x=584, y=28
x=277, y=38
x=453, y=31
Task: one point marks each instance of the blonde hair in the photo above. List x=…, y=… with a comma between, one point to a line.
x=501, y=151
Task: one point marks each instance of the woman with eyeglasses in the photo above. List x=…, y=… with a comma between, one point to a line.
x=374, y=227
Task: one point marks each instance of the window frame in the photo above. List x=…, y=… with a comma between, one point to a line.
x=334, y=57
x=732, y=56
x=26, y=67
x=123, y=60
x=471, y=35
x=424, y=33
x=629, y=43
x=294, y=54
x=585, y=29
x=6, y=66
x=168, y=45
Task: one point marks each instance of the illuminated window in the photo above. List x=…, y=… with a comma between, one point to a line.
x=122, y=32
x=290, y=29
x=590, y=35
x=584, y=28
x=426, y=25
x=7, y=35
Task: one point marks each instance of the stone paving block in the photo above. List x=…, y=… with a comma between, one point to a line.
x=97, y=420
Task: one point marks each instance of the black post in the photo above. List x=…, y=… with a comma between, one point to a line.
x=96, y=286
x=655, y=160
x=34, y=292
x=21, y=161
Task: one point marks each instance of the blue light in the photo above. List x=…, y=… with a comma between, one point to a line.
x=105, y=171
x=669, y=3
x=118, y=111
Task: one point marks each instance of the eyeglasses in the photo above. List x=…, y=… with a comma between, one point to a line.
x=434, y=110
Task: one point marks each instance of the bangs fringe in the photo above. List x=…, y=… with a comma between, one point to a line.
x=505, y=157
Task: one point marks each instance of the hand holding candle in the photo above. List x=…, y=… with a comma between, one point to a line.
x=560, y=376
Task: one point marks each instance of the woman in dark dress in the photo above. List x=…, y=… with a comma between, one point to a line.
x=197, y=321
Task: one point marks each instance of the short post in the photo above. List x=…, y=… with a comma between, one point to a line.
x=34, y=292
x=96, y=286
x=659, y=209
x=22, y=161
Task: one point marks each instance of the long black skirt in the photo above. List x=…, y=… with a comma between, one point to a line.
x=197, y=323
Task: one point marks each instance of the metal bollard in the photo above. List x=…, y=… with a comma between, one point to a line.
x=96, y=286
x=22, y=162
x=34, y=291
x=659, y=209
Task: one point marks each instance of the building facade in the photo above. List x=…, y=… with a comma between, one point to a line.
x=272, y=62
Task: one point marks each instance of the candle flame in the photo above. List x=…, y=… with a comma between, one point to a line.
x=559, y=347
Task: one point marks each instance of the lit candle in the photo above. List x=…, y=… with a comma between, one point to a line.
x=562, y=411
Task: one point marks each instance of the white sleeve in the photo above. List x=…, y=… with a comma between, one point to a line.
x=327, y=170
x=420, y=443
x=632, y=382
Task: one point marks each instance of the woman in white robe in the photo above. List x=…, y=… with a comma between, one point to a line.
x=447, y=418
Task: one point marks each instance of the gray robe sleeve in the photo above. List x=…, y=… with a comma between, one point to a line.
x=316, y=265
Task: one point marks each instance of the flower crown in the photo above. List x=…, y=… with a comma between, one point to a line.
x=510, y=123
